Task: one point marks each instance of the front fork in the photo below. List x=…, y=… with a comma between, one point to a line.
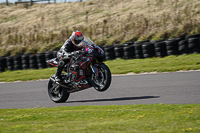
x=95, y=70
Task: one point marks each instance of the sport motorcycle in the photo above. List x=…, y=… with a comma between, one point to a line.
x=84, y=70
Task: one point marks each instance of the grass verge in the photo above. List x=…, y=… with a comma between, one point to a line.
x=117, y=66
x=113, y=118
x=167, y=64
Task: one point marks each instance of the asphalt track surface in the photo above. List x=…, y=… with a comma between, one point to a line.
x=168, y=88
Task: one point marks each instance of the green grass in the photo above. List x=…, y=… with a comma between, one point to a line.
x=97, y=119
x=117, y=66
x=167, y=64
x=26, y=75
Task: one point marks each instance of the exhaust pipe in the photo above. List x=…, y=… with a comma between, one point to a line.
x=59, y=84
x=64, y=86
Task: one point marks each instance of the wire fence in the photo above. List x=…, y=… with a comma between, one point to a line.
x=8, y=2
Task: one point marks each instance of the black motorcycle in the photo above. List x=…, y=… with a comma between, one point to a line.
x=83, y=71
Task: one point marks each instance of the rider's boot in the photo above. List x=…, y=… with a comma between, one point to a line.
x=58, y=76
x=58, y=73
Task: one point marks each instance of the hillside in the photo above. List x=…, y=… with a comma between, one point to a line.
x=43, y=27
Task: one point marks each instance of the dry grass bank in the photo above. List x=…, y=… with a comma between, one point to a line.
x=46, y=26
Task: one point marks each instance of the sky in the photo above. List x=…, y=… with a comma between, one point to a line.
x=58, y=1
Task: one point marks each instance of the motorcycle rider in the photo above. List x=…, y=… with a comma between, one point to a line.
x=70, y=47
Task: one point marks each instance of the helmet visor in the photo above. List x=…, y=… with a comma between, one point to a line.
x=77, y=41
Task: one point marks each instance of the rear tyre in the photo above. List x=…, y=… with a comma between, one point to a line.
x=59, y=95
x=103, y=81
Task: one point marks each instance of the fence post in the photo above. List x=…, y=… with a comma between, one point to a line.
x=31, y=2
x=54, y=1
x=7, y=2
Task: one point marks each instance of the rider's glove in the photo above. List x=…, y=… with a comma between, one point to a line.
x=75, y=53
x=79, y=52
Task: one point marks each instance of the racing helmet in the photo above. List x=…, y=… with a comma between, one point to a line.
x=76, y=38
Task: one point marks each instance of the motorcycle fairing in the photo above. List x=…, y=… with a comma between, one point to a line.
x=78, y=88
x=52, y=62
x=78, y=68
x=90, y=47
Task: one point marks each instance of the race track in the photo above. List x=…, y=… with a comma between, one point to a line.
x=168, y=88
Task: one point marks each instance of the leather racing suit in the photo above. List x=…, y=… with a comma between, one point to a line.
x=66, y=51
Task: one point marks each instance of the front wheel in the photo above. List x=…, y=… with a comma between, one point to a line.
x=57, y=94
x=103, y=80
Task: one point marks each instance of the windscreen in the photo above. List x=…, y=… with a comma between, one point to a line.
x=87, y=42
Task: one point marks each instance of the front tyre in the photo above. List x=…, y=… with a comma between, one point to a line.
x=57, y=94
x=103, y=80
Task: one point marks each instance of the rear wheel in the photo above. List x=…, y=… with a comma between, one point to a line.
x=57, y=94
x=103, y=80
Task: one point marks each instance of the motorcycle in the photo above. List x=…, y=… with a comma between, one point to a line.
x=84, y=70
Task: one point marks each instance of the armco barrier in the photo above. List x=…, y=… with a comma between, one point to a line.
x=131, y=50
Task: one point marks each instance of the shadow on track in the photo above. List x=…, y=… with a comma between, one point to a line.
x=115, y=99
